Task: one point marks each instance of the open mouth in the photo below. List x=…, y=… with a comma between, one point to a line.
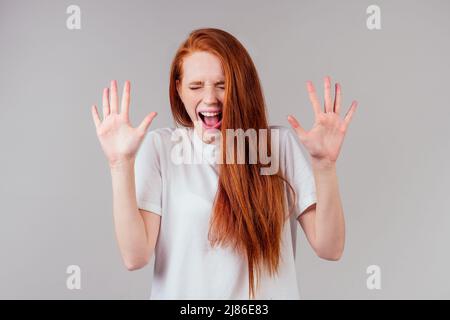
x=210, y=120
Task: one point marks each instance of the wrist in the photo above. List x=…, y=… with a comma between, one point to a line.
x=122, y=164
x=323, y=164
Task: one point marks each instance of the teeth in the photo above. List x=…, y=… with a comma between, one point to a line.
x=209, y=114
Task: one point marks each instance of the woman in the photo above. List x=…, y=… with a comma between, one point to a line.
x=218, y=229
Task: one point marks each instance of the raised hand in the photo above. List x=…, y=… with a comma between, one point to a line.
x=119, y=140
x=325, y=139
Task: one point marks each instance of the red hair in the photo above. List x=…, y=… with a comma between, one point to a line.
x=249, y=208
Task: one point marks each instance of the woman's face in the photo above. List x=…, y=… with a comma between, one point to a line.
x=202, y=91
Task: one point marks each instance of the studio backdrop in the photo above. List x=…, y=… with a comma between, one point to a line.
x=55, y=186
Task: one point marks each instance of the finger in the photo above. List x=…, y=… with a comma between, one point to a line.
x=350, y=112
x=105, y=102
x=95, y=116
x=327, y=94
x=114, y=98
x=338, y=98
x=313, y=97
x=297, y=127
x=147, y=121
x=126, y=99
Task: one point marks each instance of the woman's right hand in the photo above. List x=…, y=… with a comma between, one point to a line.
x=119, y=140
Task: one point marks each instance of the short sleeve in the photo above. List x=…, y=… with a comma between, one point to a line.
x=299, y=173
x=147, y=172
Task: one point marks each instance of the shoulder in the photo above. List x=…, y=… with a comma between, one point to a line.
x=162, y=140
x=161, y=133
x=160, y=136
x=284, y=133
x=282, y=129
x=155, y=141
x=289, y=144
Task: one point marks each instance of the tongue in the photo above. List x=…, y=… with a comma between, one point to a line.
x=211, y=121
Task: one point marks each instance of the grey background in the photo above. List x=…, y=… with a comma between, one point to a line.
x=55, y=186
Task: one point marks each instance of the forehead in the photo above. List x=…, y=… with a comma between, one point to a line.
x=202, y=66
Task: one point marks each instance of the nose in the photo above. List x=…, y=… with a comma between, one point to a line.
x=210, y=96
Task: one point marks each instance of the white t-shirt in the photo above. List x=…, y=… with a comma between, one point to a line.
x=186, y=266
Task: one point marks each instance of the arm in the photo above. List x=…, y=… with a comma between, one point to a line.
x=323, y=223
x=136, y=230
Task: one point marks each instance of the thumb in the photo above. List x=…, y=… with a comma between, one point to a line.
x=147, y=121
x=297, y=127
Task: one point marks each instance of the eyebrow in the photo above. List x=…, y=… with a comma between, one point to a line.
x=201, y=82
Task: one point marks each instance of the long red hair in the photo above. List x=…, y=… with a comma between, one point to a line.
x=249, y=208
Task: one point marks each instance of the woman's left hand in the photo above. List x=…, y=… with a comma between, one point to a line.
x=325, y=139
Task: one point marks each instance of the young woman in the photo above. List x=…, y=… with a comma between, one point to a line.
x=221, y=229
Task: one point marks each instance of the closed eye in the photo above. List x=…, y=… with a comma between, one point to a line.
x=196, y=88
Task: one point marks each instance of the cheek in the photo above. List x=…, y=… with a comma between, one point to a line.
x=221, y=95
x=190, y=104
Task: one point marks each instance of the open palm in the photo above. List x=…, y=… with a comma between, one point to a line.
x=325, y=139
x=119, y=140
